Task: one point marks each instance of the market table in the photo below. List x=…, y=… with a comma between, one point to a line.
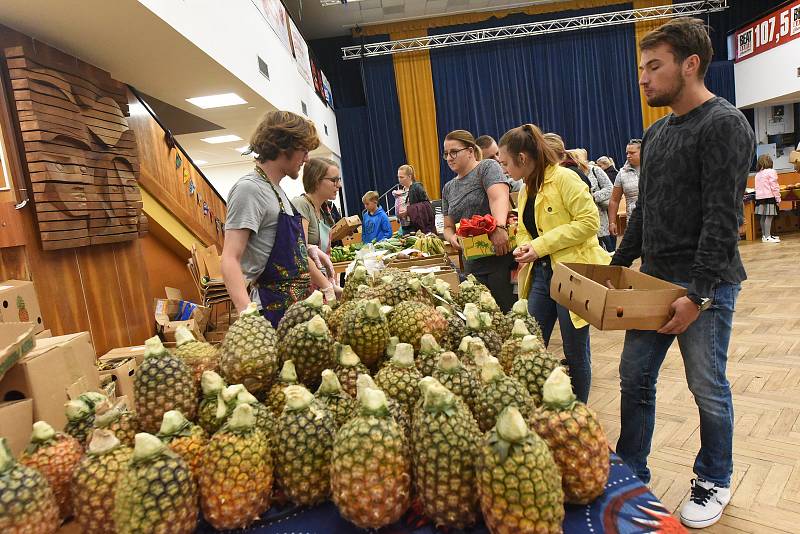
x=626, y=507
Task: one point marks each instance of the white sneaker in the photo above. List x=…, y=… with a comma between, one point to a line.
x=774, y=239
x=705, y=505
x=765, y=239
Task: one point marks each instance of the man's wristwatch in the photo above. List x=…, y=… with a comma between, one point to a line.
x=703, y=303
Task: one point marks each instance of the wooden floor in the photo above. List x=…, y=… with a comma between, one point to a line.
x=764, y=371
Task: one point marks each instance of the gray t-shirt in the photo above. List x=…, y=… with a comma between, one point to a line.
x=464, y=197
x=306, y=209
x=253, y=205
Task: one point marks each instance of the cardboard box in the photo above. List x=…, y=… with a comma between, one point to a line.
x=480, y=246
x=637, y=302
x=19, y=304
x=136, y=352
x=17, y=418
x=57, y=369
x=121, y=372
x=173, y=311
x=16, y=340
x=44, y=334
x=344, y=227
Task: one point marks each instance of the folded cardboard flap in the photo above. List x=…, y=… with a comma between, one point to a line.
x=16, y=340
x=121, y=370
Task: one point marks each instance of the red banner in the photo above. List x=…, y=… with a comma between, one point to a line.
x=775, y=29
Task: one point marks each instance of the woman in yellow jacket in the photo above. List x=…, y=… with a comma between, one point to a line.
x=558, y=223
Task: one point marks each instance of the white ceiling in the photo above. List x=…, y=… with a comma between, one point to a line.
x=316, y=21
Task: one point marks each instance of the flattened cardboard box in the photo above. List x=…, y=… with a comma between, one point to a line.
x=344, y=227
x=19, y=303
x=17, y=418
x=136, y=352
x=56, y=369
x=637, y=302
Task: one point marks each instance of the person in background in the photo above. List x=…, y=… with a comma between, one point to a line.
x=600, y=189
x=489, y=150
x=331, y=215
x=558, y=223
x=479, y=188
x=415, y=212
x=768, y=197
x=321, y=182
x=627, y=182
x=265, y=246
x=794, y=158
x=610, y=168
x=375, y=225
x=555, y=142
x=685, y=228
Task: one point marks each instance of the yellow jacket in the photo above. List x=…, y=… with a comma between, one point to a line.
x=567, y=221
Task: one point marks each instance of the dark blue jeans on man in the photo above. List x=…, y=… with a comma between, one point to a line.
x=576, y=340
x=704, y=347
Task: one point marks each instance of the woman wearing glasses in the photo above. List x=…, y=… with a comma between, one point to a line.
x=558, y=224
x=479, y=188
x=627, y=182
x=321, y=182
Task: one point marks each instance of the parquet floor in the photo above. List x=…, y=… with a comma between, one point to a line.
x=764, y=371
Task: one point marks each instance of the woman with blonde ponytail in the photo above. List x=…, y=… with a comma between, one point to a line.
x=558, y=223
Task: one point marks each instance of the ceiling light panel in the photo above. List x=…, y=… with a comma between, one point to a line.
x=217, y=101
x=221, y=139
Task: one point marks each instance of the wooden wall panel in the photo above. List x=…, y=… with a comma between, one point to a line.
x=165, y=268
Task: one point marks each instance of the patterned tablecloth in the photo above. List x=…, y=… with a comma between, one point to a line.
x=626, y=507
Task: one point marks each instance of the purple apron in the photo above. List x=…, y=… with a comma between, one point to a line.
x=285, y=279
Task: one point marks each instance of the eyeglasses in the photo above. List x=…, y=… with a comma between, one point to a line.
x=336, y=179
x=635, y=142
x=453, y=153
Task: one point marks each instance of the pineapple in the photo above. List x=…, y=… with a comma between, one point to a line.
x=117, y=419
x=370, y=466
x=456, y=329
x=457, y=378
x=80, y=419
x=469, y=291
x=276, y=398
x=532, y=366
x=411, y=319
x=462, y=349
x=22, y=311
x=520, y=311
x=249, y=354
x=479, y=324
x=445, y=442
x=575, y=438
x=335, y=319
x=428, y=355
x=310, y=346
x=398, y=287
x=348, y=367
x=265, y=420
x=184, y=438
x=236, y=474
x=304, y=442
x=156, y=492
x=330, y=393
x=475, y=354
x=162, y=383
x=357, y=278
x=300, y=312
x=212, y=385
x=513, y=345
x=27, y=504
x=366, y=330
x=94, y=482
x=399, y=378
x=519, y=484
x=501, y=324
x=199, y=356
x=388, y=354
x=396, y=410
x=55, y=455
x=497, y=392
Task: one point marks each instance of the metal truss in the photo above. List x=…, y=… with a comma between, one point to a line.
x=535, y=28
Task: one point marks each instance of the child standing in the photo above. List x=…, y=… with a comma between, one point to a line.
x=375, y=225
x=768, y=196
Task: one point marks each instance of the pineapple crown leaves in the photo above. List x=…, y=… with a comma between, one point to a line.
x=444, y=311
x=230, y=393
x=330, y=385
x=429, y=280
x=373, y=402
x=77, y=409
x=428, y=344
x=173, y=425
x=485, y=320
x=211, y=383
x=102, y=442
x=373, y=311
x=245, y=397
x=315, y=301
x=491, y=371
x=530, y=343
x=425, y=382
x=466, y=284
x=477, y=349
x=7, y=460
x=297, y=398
x=243, y=419
x=358, y=274
x=42, y=436
x=183, y=336
x=363, y=382
x=439, y=399
x=473, y=316
x=487, y=302
x=92, y=398
x=509, y=431
x=519, y=329
x=108, y=416
x=317, y=327
x=415, y=284
x=250, y=311
x=391, y=346
x=148, y=447
x=449, y=362
x=346, y=356
x=520, y=307
x=557, y=391
x=403, y=356
x=154, y=348
x=465, y=343
x=288, y=373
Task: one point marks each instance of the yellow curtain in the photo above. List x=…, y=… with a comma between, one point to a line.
x=412, y=72
x=649, y=114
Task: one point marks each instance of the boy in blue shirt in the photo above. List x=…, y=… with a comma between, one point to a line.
x=375, y=225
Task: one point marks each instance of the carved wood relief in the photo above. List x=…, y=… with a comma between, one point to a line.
x=80, y=152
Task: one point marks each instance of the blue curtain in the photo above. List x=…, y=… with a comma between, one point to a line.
x=581, y=85
x=720, y=80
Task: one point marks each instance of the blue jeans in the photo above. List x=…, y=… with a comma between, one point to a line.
x=704, y=347
x=576, y=340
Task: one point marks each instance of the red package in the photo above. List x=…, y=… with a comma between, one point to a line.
x=477, y=225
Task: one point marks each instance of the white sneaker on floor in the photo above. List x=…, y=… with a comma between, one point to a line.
x=705, y=504
x=765, y=239
x=774, y=239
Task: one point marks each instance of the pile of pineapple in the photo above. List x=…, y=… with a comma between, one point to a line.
x=399, y=394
